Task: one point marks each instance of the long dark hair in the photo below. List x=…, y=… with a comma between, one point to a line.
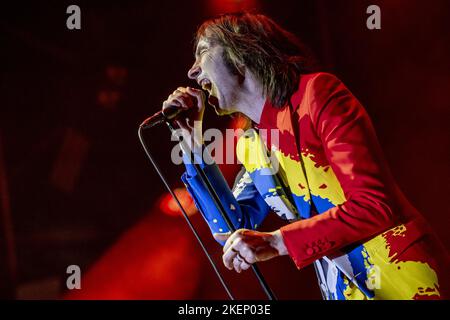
x=275, y=56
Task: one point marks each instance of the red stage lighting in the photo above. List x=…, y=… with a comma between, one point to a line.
x=227, y=6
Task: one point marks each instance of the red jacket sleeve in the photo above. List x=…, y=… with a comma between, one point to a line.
x=352, y=149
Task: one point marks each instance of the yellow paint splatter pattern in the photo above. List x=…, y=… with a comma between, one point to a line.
x=318, y=176
x=399, y=280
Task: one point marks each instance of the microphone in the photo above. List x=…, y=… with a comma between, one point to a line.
x=159, y=117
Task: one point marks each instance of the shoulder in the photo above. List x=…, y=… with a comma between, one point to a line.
x=316, y=88
x=320, y=82
x=323, y=94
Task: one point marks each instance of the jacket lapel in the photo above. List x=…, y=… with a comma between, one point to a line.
x=252, y=153
x=278, y=124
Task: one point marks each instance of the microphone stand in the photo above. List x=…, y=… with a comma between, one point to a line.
x=212, y=193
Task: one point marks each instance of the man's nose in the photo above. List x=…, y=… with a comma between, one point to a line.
x=194, y=71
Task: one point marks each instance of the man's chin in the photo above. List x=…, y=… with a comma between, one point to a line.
x=214, y=102
x=219, y=111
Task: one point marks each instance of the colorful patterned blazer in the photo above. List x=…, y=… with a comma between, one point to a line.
x=316, y=162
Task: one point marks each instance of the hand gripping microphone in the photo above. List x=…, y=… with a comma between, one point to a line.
x=168, y=113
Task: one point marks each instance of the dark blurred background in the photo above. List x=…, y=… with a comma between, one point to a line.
x=76, y=187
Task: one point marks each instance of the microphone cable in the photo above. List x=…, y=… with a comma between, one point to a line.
x=191, y=226
x=219, y=205
x=269, y=293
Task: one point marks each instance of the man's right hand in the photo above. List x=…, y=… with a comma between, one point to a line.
x=191, y=99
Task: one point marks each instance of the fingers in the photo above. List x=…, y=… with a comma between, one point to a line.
x=199, y=94
x=240, y=264
x=244, y=265
x=179, y=98
x=238, y=255
x=229, y=256
x=237, y=234
x=248, y=255
x=245, y=247
x=237, y=264
x=184, y=97
x=191, y=99
x=234, y=260
x=222, y=236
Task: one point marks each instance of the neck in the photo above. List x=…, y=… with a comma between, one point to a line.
x=253, y=99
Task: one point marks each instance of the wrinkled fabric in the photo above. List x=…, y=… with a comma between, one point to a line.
x=325, y=174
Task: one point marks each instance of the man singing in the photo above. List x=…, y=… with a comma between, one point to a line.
x=344, y=211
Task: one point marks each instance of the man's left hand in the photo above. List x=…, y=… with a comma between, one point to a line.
x=245, y=247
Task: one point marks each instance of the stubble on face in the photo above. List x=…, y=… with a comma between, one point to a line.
x=227, y=83
x=218, y=68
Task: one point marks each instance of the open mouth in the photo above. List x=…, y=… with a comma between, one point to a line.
x=206, y=85
x=212, y=100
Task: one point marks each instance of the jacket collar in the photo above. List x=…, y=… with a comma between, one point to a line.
x=269, y=116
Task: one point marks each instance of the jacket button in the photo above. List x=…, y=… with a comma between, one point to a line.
x=326, y=246
x=309, y=251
